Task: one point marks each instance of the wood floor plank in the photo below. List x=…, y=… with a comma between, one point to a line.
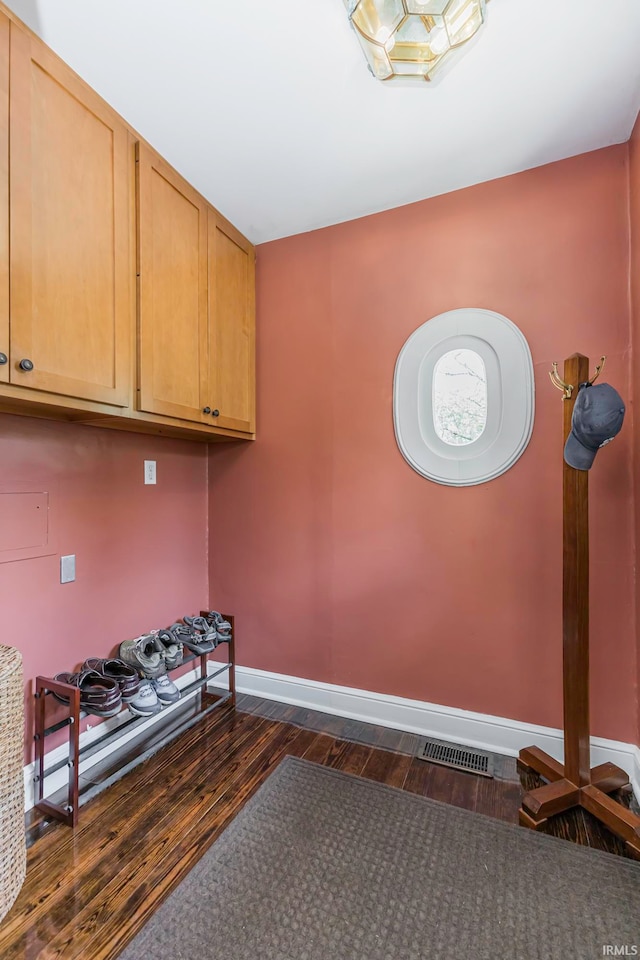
x=337, y=753
x=599, y=838
x=389, y=739
x=353, y=759
x=287, y=714
x=498, y=798
x=270, y=709
x=250, y=703
x=320, y=748
x=398, y=772
x=569, y=826
x=301, y=717
x=409, y=743
x=452, y=786
x=302, y=742
x=417, y=778
x=442, y=783
x=505, y=768
x=387, y=767
x=331, y=725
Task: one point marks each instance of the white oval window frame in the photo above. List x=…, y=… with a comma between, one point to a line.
x=510, y=397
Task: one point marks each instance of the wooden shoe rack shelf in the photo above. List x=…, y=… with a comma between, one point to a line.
x=68, y=812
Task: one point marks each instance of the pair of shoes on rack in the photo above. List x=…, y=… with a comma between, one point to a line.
x=141, y=696
x=200, y=634
x=101, y=691
x=151, y=658
x=106, y=684
x=221, y=626
x=194, y=633
x=152, y=654
x=99, y=695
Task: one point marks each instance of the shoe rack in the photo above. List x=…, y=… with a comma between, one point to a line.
x=68, y=811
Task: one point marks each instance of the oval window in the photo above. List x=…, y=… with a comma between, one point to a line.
x=460, y=397
x=463, y=397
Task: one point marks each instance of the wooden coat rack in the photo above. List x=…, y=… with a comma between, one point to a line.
x=576, y=784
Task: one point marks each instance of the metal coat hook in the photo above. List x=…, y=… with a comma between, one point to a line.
x=554, y=376
x=567, y=388
x=598, y=370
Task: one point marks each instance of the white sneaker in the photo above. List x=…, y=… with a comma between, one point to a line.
x=165, y=689
x=145, y=703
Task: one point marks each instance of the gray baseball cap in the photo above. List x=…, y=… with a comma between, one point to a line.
x=597, y=418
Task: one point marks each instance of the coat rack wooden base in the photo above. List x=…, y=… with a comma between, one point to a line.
x=574, y=783
x=562, y=794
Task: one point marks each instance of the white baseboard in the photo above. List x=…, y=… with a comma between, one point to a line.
x=484, y=731
x=59, y=779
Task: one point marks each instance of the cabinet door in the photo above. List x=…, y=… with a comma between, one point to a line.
x=71, y=267
x=4, y=199
x=172, y=250
x=231, y=326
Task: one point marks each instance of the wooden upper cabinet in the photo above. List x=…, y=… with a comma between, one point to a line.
x=172, y=255
x=4, y=199
x=70, y=217
x=231, y=326
x=71, y=260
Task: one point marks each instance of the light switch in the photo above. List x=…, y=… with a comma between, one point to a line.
x=68, y=569
x=150, y=471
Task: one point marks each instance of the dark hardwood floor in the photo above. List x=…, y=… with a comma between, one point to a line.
x=89, y=890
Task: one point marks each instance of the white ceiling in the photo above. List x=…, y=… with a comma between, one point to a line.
x=267, y=107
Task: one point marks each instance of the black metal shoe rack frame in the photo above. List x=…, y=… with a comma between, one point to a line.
x=45, y=686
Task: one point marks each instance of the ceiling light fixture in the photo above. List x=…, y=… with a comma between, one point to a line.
x=410, y=39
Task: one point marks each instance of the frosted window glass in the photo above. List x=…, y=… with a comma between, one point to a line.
x=459, y=397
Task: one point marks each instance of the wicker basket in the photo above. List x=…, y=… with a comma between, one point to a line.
x=13, y=851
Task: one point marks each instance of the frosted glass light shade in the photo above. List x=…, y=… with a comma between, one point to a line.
x=410, y=39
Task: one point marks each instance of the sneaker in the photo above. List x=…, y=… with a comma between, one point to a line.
x=172, y=649
x=125, y=676
x=165, y=689
x=145, y=654
x=146, y=702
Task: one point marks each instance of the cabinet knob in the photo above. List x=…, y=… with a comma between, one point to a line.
x=215, y=413
x=206, y=409
x=26, y=364
x=3, y=358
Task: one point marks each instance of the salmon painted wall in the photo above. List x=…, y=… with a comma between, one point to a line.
x=634, y=184
x=344, y=565
x=141, y=550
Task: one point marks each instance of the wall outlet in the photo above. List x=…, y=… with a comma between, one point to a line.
x=68, y=569
x=150, y=471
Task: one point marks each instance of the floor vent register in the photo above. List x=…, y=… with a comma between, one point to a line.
x=456, y=756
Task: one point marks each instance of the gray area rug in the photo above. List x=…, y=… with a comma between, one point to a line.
x=321, y=865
